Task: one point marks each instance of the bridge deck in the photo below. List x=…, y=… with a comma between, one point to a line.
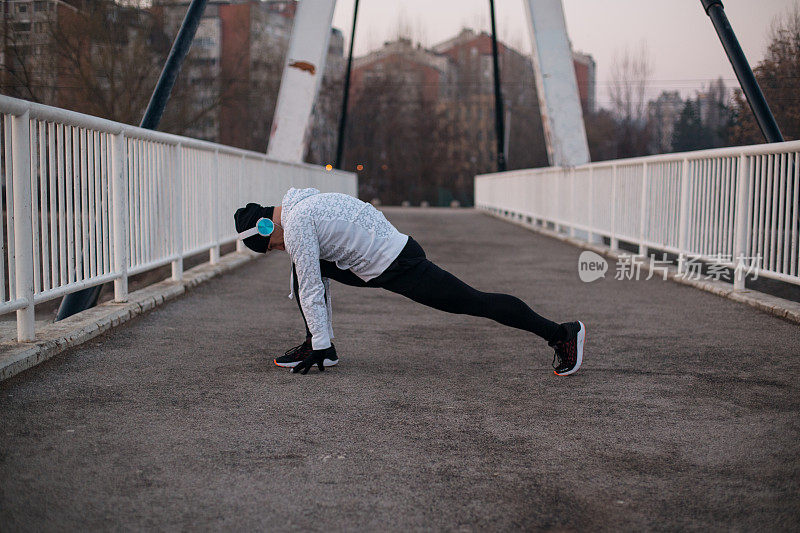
x=685, y=414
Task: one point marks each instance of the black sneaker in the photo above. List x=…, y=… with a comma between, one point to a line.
x=293, y=357
x=569, y=353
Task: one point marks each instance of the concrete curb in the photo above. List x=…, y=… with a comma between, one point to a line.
x=773, y=305
x=59, y=336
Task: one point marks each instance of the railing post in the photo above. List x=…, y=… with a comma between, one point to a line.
x=742, y=229
x=590, y=237
x=23, y=224
x=177, y=213
x=614, y=242
x=683, y=215
x=572, y=214
x=119, y=206
x=214, y=218
x=240, y=247
x=644, y=211
x=557, y=215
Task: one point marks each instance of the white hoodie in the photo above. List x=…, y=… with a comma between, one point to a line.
x=338, y=228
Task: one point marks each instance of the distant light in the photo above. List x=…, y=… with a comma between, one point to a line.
x=328, y=167
x=359, y=167
x=384, y=167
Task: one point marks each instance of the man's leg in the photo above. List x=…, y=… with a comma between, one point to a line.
x=432, y=286
x=426, y=283
x=328, y=270
x=331, y=271
x=294, y=355
x=296, y=290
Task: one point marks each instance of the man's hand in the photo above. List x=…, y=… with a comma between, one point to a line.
x=317, y=357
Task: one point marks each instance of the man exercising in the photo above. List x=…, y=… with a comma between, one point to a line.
x=336, y=236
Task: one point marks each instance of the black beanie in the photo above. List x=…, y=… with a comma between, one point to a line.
x=246, y=218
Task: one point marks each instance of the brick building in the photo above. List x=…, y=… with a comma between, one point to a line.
x=414, y=65
x=586, y=75
x=457, y=76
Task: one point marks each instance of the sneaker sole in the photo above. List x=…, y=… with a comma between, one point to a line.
x=580, y=341
x=325, y=363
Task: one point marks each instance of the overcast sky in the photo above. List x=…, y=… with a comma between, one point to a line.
x=684, y=49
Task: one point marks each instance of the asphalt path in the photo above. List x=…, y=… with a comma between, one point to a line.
x=684, y=415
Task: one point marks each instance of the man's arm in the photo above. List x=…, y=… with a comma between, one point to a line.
x=303, y=246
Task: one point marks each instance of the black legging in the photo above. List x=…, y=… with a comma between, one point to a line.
x=417, y=278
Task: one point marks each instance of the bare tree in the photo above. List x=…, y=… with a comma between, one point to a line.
x=327, y=109
x=778, y=76
x=393, y=134
x=107, y=59
x=414, y=30
x=630, y=76
x=28, y=66
x=526, y=143
x=102, y=58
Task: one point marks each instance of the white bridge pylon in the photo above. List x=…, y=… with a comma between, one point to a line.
x=556, y=84
x=302, y=75
x=559, y=100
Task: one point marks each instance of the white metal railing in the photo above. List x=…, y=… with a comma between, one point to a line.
x=737, y=207
x=89, y=201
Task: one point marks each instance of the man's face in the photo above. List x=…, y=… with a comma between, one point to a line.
x=276, y=239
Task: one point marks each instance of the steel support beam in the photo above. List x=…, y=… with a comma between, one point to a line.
x=758, y=104
x=346, y=95
x=559, y=100
x=87, y=298
x=498, y=98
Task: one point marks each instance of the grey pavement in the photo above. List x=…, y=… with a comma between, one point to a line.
x=684, y=416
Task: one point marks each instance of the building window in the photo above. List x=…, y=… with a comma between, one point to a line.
x=22, y=8
x=204, y=42
x=204, y=62
x=40, y=5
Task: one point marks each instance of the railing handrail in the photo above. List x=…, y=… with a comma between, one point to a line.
x=741, y=203
x=90, y=201
x=16, y=107
x=731, y=151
